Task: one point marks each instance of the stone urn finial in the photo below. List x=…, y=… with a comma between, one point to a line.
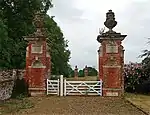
x=76, y=67
x=39, y=19
x=110, y=22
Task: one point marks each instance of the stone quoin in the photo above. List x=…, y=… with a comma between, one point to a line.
x=111, y=58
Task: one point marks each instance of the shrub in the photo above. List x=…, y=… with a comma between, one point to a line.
x=136, y=79
x=20, y=88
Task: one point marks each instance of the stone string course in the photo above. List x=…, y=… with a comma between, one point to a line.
x=7, y=81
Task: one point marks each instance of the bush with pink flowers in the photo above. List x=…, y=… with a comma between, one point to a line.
x=137, y=78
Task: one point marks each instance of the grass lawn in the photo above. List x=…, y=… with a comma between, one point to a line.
x=14, y=105
x=141, y=101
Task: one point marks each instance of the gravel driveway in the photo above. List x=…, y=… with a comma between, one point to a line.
x=76, y=105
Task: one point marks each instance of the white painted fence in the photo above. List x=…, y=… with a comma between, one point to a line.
x=82, y=88
x=63, y=87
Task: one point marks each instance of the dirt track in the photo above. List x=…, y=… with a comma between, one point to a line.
x=80, y=106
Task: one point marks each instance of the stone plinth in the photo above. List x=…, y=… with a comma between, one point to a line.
x=111, y=59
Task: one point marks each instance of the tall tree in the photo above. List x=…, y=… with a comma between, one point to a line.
x=146, y=61
x=92, y=71
x=59, y=52
x=81, y=73
x=3, y=44
x=17, y=16
x=16, y=22
x=146, y=53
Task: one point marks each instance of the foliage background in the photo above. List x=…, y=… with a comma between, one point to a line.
x=16, y=19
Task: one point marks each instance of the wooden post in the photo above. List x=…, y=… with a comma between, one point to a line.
x=47, y=86
x=64, y=87
x=58, y=87
x=61, y=85
x=101, y=86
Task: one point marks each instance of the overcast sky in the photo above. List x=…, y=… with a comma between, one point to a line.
x=80, y=21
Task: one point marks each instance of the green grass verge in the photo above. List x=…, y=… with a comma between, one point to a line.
x=140, y=101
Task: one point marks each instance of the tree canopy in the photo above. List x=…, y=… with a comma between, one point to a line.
x=91, y=72
x=146, y=60
x=59, y=52
x=16, y=17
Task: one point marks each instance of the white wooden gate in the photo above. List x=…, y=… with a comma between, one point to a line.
x=63, y=87
x=82, y=88
x=53, y=87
